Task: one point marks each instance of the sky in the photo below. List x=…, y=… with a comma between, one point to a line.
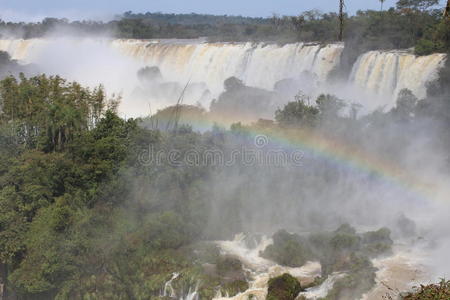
x=35, y=10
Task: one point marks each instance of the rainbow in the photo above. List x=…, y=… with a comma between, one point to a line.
x=327, y=147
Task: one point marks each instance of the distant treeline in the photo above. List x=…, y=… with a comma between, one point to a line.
x=412, y=23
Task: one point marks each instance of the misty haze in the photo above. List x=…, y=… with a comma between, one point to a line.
x=189, y=151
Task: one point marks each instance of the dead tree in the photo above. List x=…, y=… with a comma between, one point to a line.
x=382, y=2
x=341, y=20
x=447, y=10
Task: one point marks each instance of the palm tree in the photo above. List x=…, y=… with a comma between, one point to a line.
x=382, y=2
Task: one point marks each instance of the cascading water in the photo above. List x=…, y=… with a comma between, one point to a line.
x=379, y=74
x=192, y=295
x=322, y=290
x=387, y=73
x=405, y=268
x=395, y=272
x=261, y=269
x=260, y=65
x=206, y=66
x=20, y=49
x=168, y=290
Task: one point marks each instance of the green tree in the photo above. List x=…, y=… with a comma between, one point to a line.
x=419, y=5
x=329, y=105
x=49, y=112
x=297, y=113
x=406, y=105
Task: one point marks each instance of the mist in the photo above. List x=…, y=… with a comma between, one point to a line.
x=299, y=143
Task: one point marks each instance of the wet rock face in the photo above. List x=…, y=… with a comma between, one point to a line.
x=284, y=287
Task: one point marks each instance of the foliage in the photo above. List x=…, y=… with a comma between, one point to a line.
x=284, y=287
x=84, y=214
x=359, y=279
x=438, y=291
x=342, y=251
x=169, y=117
x=228, y=264
x=298, y=113
x=329, y=106
x=416, y=4
x=288, y=249
x=242, y=103
x=47, y=112
x=436, y=39
x=377, y=242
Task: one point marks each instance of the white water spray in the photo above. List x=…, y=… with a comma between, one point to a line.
x=379, y=74
x=388, y=72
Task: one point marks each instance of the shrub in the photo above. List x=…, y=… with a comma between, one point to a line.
x=284, y=287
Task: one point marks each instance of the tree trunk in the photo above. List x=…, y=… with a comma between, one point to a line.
x=2, y=282
x=447, y=10
x=5, y=292
x=341, y=20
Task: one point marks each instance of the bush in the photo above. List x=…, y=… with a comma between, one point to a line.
x=288, y=250
x=440, y=291
x=284, y=287
x=426, y=47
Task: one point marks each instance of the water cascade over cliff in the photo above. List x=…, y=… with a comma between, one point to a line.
x=375, y=80
x=388, y=72
x=397, y=271
x=260, y=65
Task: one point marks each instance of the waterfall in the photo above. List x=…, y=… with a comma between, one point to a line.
x=168, y=290
x=259, y=268
x=260, y=65
x=20, y=49
x=321, y=291
x=388, y=72
x=192, y=294
x=375, y=80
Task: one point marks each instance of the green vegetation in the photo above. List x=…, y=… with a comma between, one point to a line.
x=438, y=291
x=257, y=102
x=169, y=117
x=284, y=287
x=86, y=213
x=288, y=249
x=297, y=113
x=65, y=228
x=359, y=279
